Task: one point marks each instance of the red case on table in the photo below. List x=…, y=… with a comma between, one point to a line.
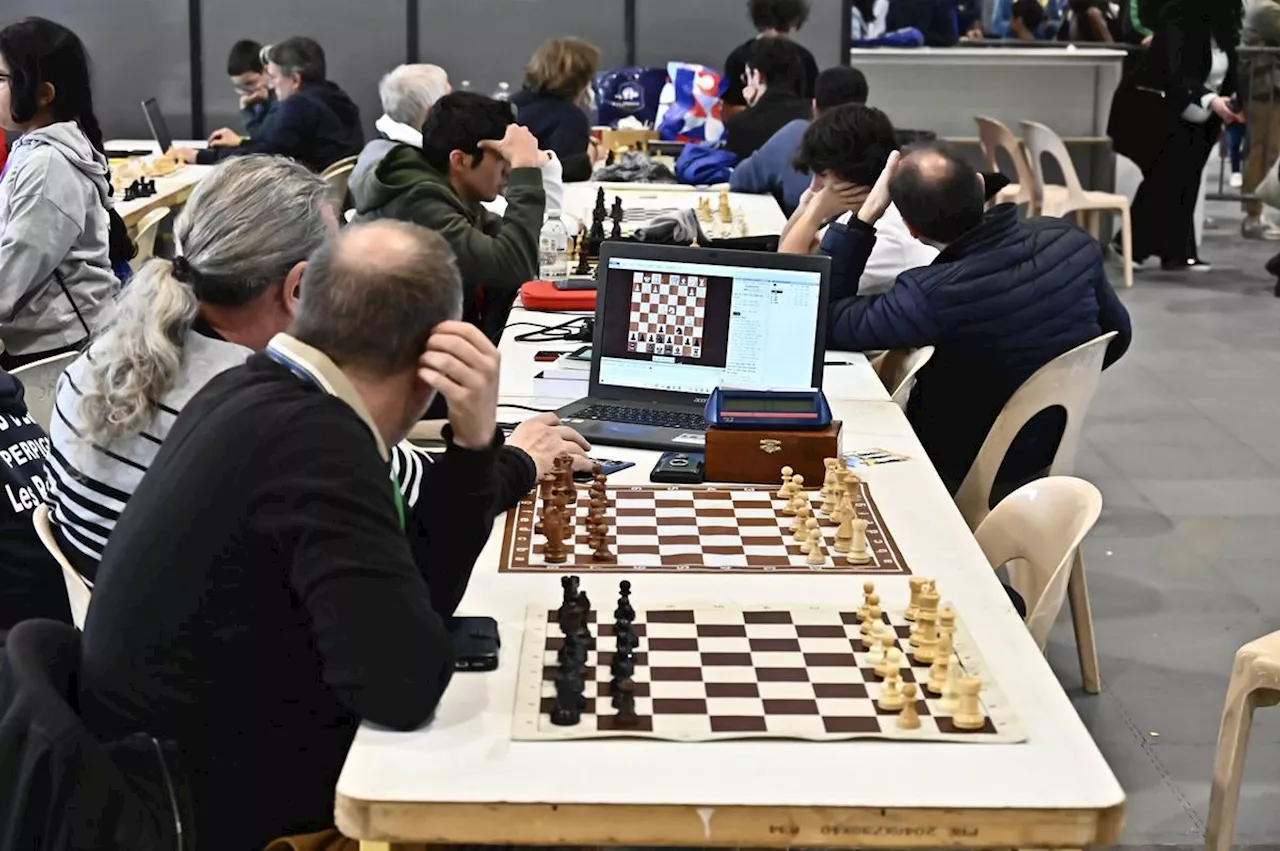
x=542, y=295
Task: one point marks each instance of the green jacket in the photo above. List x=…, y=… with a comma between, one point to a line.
x=496, y=254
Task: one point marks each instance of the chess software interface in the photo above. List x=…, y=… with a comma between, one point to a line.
x=692, y=327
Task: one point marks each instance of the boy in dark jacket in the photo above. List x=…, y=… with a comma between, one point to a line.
x=772, y=19
x=253, y=88
x=1003, y=299
x=314, y=122
x=774, y=79
x=470, y=148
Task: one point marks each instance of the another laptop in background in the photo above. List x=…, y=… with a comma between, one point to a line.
x=674, y=323
x=159, y=127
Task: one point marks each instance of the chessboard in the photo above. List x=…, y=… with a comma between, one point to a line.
x=677, y=528
x=707, y=673
x=668, y=313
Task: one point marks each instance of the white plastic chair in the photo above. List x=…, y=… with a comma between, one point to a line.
x=40, y=381
x=338, y=176
x=1255, y=682
x=78, y=591
x=1034, y=533
x=897, y=370
x=994, y=136
x=1042, y=141
x=144, y=236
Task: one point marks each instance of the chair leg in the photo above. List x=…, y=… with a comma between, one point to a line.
x=1082, y=620
x=1228, y=760
x=1126, y=244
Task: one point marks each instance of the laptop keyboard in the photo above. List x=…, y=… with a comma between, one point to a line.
x=643, y=416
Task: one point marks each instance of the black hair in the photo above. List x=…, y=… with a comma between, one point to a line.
x=39, y=51
x=1030, y=12
x=778, y=61
x=299, y=55
x=853, y=142
x=458, y=122
x=245, y=57
x=942, y=201
x=782, y=15
x=838, y=86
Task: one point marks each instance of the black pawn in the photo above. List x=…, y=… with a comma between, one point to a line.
x=626, y=706
x=626, y=637
x=623, y=665
x=616, y=216
x=619, y=688
x=624, y=612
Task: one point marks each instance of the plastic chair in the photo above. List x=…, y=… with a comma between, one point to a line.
x=1255, y=681
x=144, y=236
x=994, y=136
x=78, y=591
x=1041, y=141
x=338, y=175
x=1035, y=532
x=40, y=380
x=897, y=370
x=1069, y=382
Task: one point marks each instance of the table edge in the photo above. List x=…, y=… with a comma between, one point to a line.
x=174, y=199
x=748, y=826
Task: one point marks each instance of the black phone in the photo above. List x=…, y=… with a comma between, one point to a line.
x=475, y=643
x=680, y=468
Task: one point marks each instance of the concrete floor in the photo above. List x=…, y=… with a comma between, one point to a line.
x=1184, y=442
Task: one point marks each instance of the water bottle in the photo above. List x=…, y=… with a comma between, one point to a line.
x=553, y=250
x=503, y=92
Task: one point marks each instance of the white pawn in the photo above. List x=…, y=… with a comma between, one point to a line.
x=798, y=528
x=798, y=495
x=876, y=656
x=785, y=491
x=816, y=554
x=806, y=534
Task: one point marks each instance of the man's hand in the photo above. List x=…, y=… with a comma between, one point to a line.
x=462, y=365
x=187, y=155
x=835, y=199
x=518, y=147
x=224, y=138
x=256, y=96
x=543, y=438
x=1222, y=108
x=878, y=201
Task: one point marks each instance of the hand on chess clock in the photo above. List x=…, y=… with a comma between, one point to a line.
x=543, y=439
x=187, y=155
x=224, y=138
x=462, y=366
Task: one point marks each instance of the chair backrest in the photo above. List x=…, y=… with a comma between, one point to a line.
x=144, y=236
x=993, y=136
x=338, y=176
x=1041, y=141
x=1068, y=381
x=1035, y=532
x=897, y=370
x=78, y=592
x=40, y=381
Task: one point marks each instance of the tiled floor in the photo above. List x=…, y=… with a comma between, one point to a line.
x=1184, y=566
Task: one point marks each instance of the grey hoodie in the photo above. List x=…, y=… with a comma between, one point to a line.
x=53, y=216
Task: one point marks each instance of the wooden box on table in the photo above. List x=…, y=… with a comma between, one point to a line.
x=756, y=456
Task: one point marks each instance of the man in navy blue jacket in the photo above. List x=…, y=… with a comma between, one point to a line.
x=1003, y=298
x=314, y=122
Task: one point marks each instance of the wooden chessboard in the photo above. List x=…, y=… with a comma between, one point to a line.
x=677, y=528
x=716, y=672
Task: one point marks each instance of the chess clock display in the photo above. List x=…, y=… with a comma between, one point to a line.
x=764, y=409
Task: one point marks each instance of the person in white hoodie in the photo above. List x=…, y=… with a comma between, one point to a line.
x=57, y=230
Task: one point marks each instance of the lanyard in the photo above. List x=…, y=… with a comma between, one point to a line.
x=303, y=373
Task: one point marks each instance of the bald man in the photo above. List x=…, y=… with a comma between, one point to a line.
x=259, y=596
x=1003, y=298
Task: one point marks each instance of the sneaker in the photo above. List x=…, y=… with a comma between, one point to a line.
x=1256, y=227
x=1191, y=265
x=1237, y=180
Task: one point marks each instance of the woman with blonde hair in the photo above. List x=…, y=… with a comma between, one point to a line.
x=553, y=103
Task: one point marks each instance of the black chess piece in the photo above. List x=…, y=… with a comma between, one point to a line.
x=624, y=612
x=568, y=708
x=600, y=209
x=596, y=234
x=616, y=216
x=129, y=193
x=626, y=706
x=610, y=158
x=583, y=604
x=619, y=687
x=625, y=637
x=623, y=664
x=569, y=585
x=573, y=653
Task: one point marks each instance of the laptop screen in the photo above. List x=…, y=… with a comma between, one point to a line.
x=159, y=127
x=690, y=327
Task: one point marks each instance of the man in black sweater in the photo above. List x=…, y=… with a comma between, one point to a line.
x=261, y=595
x=774, y=79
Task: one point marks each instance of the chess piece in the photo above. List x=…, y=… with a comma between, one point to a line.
x=951, y=688
x=610, y=158
x=874, y=612
x=616, y=217
x=891, y=693
x=868, y=590
x=726, y=212
x=625, y=637
x=600, y=210
x=916, y=583
x=553, y=529
x=941, y=667
x=891, y=662
x=910, y=717
x=947, y=622
x=929, y=599
x=626, y=716
x=800, y=525
x=888, y=640
x=569, y=587
x=925, y=639
x=969, y=715
x=816, y=554
x=624, y=612
x=704, y=210
x=619, y=687
x=623, y=664
x=798, y=495
x=569, y=688
x=805, y=533
x=785, y=491
x=858, y=545
x=602, y=554
x=844, y=535
x=878, y=649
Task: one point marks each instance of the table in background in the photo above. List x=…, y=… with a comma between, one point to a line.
x=462, y=779
x=764, y=216
x=171, y=191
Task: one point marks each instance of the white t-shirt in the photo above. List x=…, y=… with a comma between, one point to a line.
x=895, y=251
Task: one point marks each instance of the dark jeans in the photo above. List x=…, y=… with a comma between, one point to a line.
x=1164, y=208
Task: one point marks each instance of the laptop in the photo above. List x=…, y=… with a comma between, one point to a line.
x=159, y=127
x=674, y=323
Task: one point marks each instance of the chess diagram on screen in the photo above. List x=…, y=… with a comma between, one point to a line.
x=712, y=672
x=668, y=314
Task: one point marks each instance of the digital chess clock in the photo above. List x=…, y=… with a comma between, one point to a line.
x=763, y=409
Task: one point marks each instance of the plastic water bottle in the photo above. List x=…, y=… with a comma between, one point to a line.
x=553, y=250
x=503, y=92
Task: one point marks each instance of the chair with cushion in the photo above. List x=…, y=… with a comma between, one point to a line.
x=338, y=175
x=1087, y=204
x=144, y=236
x=1034, y=534
x=994, y=136
x=897, y=370
x=40, y=381
x=78, y=591
x=1069, y=381
x=1255, y=682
